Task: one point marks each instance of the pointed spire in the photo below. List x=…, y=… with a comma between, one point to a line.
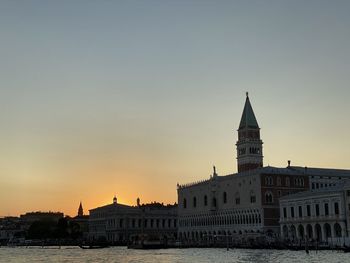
x=80, y=210
x=248, y=119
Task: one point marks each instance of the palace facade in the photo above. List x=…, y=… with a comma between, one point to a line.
x=245, y=204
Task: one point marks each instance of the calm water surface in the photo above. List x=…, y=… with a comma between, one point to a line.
x=122, y=254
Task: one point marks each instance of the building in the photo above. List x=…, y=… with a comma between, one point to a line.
x=120, y=224
x=324, y=177
x=242, y=204
x=31, y=217
x=321, y=215
x=10, y=228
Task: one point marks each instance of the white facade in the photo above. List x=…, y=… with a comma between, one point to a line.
x=237, y=205
x=321, y=215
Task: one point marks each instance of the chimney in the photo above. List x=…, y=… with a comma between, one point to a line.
x=288, y=163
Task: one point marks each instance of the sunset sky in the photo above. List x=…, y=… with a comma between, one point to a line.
x=127, y=98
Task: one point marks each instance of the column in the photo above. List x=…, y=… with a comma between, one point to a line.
x=314, y=234
x=323, y=232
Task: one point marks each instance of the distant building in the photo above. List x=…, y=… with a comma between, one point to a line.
x=41, y=216
x=10, y=228
x=245, y=204
x=119, y=223
x=321, y=214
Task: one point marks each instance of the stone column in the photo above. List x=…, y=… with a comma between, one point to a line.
x=297, y=232
x=323, y=232
x=305, y=232
x=343, y=229
x=332, y=229
x=314, y=234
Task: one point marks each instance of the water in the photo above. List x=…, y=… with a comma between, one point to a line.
x=203, y=255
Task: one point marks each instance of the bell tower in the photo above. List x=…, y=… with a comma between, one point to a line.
x=249, y=144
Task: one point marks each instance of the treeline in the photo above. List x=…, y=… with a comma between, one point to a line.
x=48, y=229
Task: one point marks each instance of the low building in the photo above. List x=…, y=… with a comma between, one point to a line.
x=119, y=223
x=321, y=215
x=10, y=228
x=41, y=216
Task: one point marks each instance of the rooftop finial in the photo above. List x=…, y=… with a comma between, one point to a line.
x=214, y=172
x=246, y=93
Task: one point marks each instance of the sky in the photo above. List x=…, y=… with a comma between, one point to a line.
x=129, y=98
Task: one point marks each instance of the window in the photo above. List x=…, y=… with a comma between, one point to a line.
x=300, y=211
x=205, y=200
x=287, y=181
x=348, y=192
x=326, y=209
x=268, y=197
x=185, y=203
x=313, y=185
x=237, y=199
x=214, y=202
x=308, y=208
x=284, y=212
x=194, y=201
x=252, y=199
x=279, y=181
x=336, y=208
x=268, y=180
x=224, y=198
x=292, y=211
x=317, y=208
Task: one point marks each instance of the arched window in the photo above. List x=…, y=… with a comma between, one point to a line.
x=185, y=203
x=205, y=200
x=268, y=180
x=224, y=197
x=194, y=201
x=268, y=197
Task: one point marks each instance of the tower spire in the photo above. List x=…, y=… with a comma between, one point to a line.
x=80, y=210
x=249, y=144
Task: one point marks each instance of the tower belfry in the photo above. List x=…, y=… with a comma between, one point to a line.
x=249, y=144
